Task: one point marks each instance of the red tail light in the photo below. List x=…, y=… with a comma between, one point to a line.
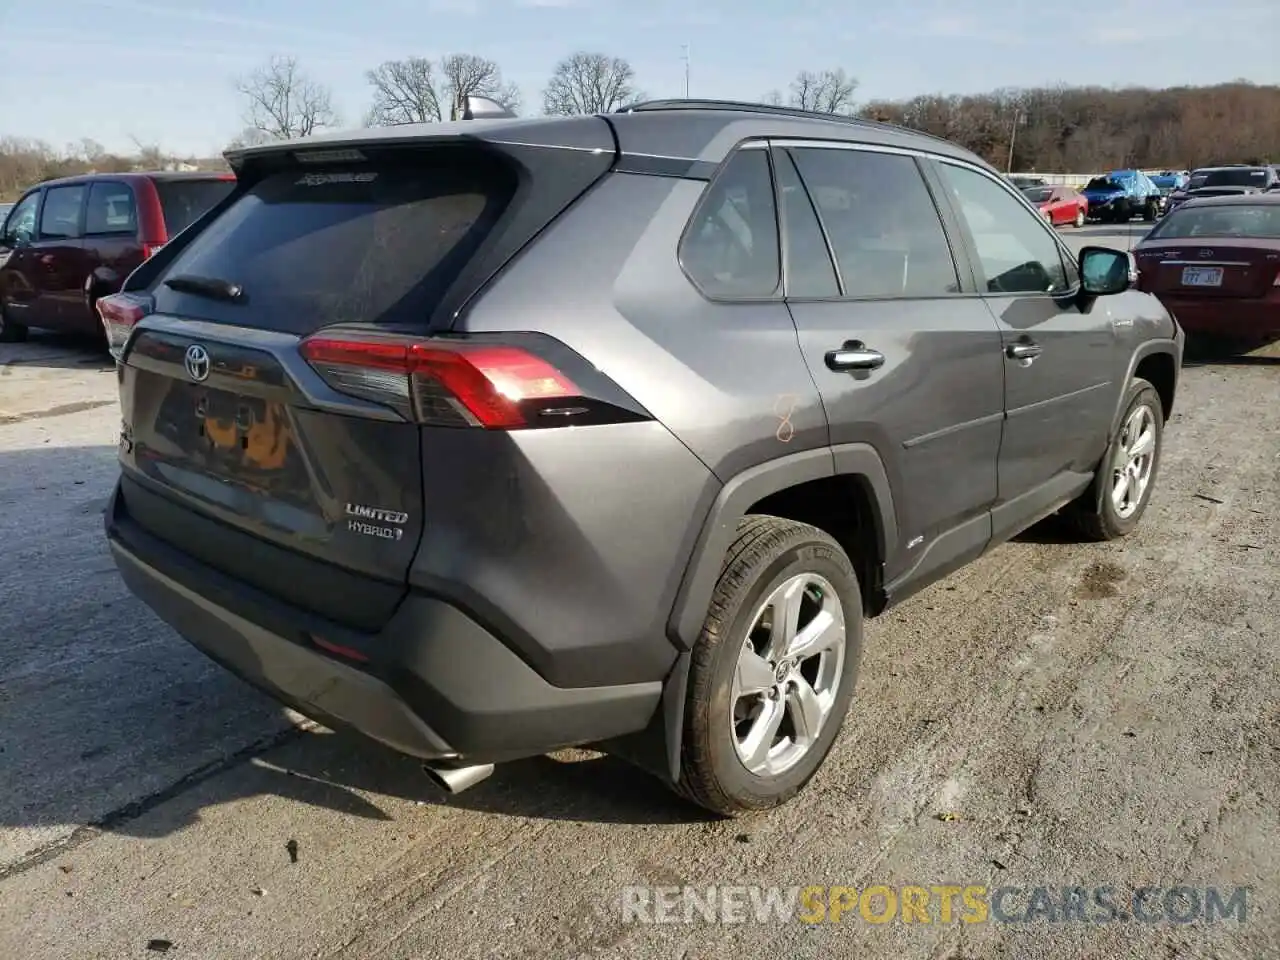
x=120, y=313
x=494, y=386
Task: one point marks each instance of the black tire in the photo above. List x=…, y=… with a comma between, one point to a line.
x=766, y=552
x=1096, y=516
x=11, y=332
x=1151, y=212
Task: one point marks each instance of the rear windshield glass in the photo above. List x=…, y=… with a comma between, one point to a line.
x=183, y=201
x=1236, y=220
x=1104, y=183
x=316, y=248
x=1243, y=177
x=1038, y=194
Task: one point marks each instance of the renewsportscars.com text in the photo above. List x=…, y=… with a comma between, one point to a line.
x=937, y=903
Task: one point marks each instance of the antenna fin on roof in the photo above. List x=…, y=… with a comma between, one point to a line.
x=485, y=108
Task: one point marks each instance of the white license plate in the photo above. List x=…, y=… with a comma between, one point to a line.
x=1202, y=276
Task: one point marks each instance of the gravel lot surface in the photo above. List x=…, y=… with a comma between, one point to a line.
x=1055, y=714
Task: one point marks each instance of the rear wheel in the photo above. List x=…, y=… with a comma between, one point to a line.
x=774, y=669
x=10, y=332
x=1127, y=474
x=1080, y=218
x=1151, y=211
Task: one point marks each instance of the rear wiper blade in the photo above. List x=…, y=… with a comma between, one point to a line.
x=212, y=287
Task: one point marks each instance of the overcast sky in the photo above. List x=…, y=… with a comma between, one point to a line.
x=162, y=71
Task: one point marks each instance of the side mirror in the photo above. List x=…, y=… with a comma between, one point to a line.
x=1104, y=271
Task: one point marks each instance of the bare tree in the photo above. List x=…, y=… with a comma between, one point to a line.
x=465, y=75
x=828, y=91
x=589, y=83
x=404, y=91
x=150, y=156
x=249, y=137
x=283, y=102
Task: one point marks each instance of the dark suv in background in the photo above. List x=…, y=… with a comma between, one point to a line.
x=1233, y=181
x=68, y=242
x=492, y=437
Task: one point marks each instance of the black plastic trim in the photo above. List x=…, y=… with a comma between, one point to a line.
x=683, y=168
x=736, y=497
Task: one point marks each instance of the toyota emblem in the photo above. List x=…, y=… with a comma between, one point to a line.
x=196, y=362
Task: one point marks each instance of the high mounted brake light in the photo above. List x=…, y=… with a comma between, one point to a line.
x=120, y=313
x=493, y=386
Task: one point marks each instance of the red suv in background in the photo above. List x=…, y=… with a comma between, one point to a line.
x=68, y=242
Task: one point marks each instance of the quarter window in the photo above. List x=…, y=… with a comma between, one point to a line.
x=1017, y=253
x=60, y=219
x=111, y=209
x=882, y=223
x=731, y=246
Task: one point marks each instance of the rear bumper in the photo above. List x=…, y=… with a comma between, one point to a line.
x=1224, y=317
x=436, y=684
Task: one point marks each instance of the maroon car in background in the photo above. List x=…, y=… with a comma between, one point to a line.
x=1214, y=262
x=68, y=242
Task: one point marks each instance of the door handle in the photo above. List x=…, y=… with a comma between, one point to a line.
x=1023, y=351
x=854, y=355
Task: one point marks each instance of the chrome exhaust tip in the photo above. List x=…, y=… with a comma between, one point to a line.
x=454, y=778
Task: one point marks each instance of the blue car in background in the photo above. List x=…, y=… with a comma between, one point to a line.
x=1170, y=181
x=1121, y=195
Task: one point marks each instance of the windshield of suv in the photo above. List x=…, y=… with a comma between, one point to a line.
x=1241, y=177
x=1255, y=221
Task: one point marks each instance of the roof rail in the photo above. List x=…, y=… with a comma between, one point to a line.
x=648, y=106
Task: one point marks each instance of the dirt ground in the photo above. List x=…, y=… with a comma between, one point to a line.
x=1053, y=715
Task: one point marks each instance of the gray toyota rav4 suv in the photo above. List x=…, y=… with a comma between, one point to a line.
x=492, y=437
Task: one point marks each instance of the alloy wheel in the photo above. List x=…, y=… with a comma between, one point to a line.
x=1134, y=459
x=788, y=674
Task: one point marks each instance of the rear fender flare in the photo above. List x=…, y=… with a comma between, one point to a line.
x=1149, y=348
x=1144, y=350
x=720, y=527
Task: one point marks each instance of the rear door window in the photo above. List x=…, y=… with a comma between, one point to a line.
x=111, y=210
x=315, y=248
x=60, y=217
x=182, y=202
x=882, y=223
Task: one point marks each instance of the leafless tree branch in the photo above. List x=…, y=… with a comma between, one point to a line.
x=404, y=91
x=283, y=103
x=827, y=91
x=589, y=83
x=465, y=75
